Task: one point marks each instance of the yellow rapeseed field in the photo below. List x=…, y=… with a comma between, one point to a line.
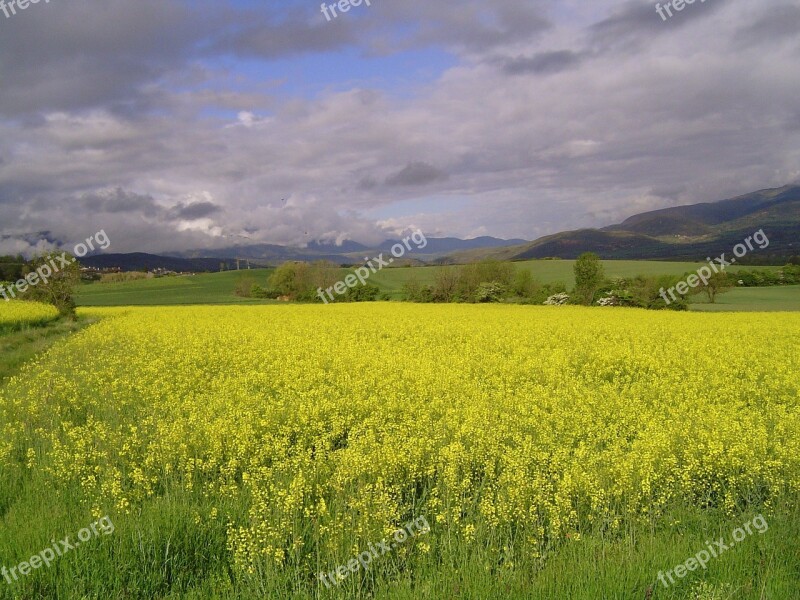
x=313, y=429
x=14, y=313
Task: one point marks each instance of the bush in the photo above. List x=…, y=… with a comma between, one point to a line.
x=472, y=276
x=244, y=287
x=525, y=286
x=258, y=292
x=557, y=299
x=490, y=292
x=362, y=293
x=791, y=274
x=300, y=280
x=413, y=291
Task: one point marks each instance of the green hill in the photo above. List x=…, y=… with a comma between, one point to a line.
x=681, y=233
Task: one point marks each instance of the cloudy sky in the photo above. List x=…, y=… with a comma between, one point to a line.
x=175, y=125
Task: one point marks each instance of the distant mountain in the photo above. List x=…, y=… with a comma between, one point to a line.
x=266, y=253
x=348, y=251
x=691, y=232
x=262, y=255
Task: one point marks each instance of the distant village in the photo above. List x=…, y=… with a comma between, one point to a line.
x=115, y=274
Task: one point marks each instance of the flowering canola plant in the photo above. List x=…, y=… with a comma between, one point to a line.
x=15, y=313
x=315, y=429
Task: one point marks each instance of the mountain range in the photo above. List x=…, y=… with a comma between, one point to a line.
x=263, y=255
x=691, y=233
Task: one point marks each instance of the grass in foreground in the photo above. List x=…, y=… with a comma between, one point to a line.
x=155, y=553
x=18, y=347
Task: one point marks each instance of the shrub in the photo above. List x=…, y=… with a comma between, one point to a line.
x=244, y=287
x=557, y=299
x=525, y=286
x=258, y=292
x=471, y=276
x=413, y=291
x=490, y=292
x=362, y=293
x=300, y=280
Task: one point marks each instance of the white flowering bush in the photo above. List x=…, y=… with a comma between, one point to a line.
x=557, y=299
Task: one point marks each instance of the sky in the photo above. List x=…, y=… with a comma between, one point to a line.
x=181, y=125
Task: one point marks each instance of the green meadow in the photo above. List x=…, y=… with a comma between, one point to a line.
x=218, y=288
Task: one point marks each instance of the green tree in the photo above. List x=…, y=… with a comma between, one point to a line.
x=472, y=275
x=300, y=280
x=525, y=286
x=244, y=286
x=445, y=287
x=718, y=283
x=53, y=278
x=589, y=277
x=362, y=293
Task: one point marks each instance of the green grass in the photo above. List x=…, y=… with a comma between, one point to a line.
x=545, y=271
x=18, y=347
x=206, y=288
x=778, y=298
x=160, y=552
x=217, y=288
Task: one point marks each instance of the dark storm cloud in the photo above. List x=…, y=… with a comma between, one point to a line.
x=634, y=22
x=543, y=63
x=119, y=201
x=81, y=54
x=416, y=173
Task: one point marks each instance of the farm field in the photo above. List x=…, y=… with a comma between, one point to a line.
x=782, y=298
x=16, y=315
x=553, y=452
x=204, y=288
x=545, y=271
x=217, y=288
